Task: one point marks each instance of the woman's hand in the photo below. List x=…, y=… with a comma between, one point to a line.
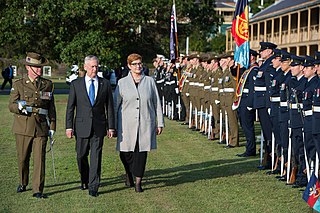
x=159, y=130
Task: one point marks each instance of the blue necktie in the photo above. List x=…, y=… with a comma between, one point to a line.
x=91, y=92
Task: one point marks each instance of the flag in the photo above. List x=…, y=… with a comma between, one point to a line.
x=312, y=192
x=240, y=33
x=173, y=34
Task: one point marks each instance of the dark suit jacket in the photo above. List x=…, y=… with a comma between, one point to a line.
x=82, y=117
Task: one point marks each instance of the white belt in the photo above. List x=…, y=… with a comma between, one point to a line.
x=260, y=89
x=308, y=112
x=160, y=81
x=201, y=84
x=275, y=99
x=245, y=91
x=170, y=82
x=284, y=104
x=196, y=83
x=316, y=108
x=295, y=106
x=220, y=90
x=37, y=110
x=191, y=83
x=187, y=81
x=228, y=90
x=214, y=89
x=206, y=87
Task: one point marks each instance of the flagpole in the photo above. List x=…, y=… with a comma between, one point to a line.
x=176, y=37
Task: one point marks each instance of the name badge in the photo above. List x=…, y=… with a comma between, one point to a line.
x=45, y=95
x=259, y=74
x=220, y=80
x=227, y=78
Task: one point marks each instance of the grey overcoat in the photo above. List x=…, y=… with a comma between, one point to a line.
x=138, y=113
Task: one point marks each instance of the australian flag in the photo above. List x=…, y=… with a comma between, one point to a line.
x=312, y=192
x=240, y=33
x=173, y=31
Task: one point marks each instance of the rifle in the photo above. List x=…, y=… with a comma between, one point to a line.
x=51, y=141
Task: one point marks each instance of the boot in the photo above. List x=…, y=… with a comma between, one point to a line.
x=138, y=184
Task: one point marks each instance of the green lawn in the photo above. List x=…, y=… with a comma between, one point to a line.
x=187, y=173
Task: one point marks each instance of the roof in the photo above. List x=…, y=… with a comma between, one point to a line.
x=225, y=4
x=283, y=7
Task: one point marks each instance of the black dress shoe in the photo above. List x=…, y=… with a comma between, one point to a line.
x=229, y=147
x=222, y=142
x=274, y=172
x=185, y=123
x=283, y=178
x=21, y=188
x=84, y=186
x=138, y=188
x=245, y=155
x=93, y=193
x=39, y=195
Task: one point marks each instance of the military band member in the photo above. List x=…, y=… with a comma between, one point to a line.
x=245, y=110
x=159, y=75
x=32, y=102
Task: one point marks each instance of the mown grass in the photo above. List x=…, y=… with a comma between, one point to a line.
x=187, y=173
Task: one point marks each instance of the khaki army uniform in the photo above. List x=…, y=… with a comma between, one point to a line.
x=226, y=101
x=185, y=96
x=31, y=126
x=216, y=77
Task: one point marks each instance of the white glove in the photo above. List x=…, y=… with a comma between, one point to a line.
x=51, y=133
x=177, y=91
x=216, y=102
x=20, y=106
x=187, y=94
x=249, y=108
x=269, y=111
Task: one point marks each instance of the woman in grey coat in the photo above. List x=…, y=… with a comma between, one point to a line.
x=139, y=119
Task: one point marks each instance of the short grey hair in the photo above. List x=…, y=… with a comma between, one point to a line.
x=90, y=58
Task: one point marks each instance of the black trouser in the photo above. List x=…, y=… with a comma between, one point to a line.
x=92, y=174
x=5, y=82
x=134, y=162
x=247, y=123
x=284, y=129
x=298, y=148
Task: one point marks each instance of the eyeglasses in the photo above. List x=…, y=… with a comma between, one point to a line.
x=137, y=64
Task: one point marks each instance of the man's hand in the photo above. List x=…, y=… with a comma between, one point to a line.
x=111, y=133
x=159, y=130
x=69, y=133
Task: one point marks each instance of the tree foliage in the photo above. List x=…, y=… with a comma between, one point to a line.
x=67, y=30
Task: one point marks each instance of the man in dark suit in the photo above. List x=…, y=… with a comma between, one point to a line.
x=91, y=96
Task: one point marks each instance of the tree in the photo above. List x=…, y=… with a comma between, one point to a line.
x=66, y=30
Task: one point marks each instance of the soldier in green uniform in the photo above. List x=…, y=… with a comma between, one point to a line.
x=32, y=102
x=216, y=76
x=227, y=99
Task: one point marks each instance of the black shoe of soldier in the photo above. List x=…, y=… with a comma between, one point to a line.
x=21, y=188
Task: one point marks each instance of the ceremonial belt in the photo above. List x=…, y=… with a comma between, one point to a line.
x=308, y=112
x=187, y=81
x=275, y=99
x=214, y=89
x=160, y=81
x=206, y=87
x=295, y=106
x=196, y=83
x=220, y=90
x=191, y=83
x=228, y=90
x=37, y=110
x=245, y=90
x=316, y=108
x=201, y=84
x=170, y=82
x=260, y=89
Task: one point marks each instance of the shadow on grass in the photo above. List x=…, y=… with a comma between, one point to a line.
x=174, y=176
x=199, y=171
